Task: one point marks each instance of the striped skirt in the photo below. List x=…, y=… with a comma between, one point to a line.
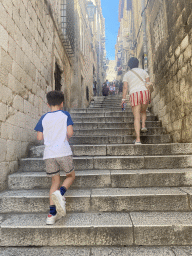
x=142, y=97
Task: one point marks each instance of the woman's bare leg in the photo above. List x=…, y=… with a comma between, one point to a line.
x=137, y=116
x=143, y=114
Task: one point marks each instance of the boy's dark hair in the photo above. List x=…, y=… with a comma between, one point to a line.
x=133, y=62
x=55, y=98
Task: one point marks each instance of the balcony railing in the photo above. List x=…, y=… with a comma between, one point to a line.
x=68, y=25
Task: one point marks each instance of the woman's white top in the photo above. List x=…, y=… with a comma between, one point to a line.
x=134, y=83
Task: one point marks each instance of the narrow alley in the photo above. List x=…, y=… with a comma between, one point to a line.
x=119, y=114
x=123, y=195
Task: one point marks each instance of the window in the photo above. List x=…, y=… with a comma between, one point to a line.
x=64, y=17
x=68, y=24
x=159, y=28
x=57, y=74
x=87, y=93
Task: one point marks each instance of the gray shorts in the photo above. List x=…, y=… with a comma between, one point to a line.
x=55, y=165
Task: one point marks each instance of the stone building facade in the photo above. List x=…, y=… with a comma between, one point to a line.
x=39, y=52
x=90, y=50
x=98, y=34
x=111, y=74
x=169, y=27
x=162, y=41
x=123, y=47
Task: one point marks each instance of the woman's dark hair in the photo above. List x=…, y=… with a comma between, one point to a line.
x=55, y=98
x=133, y=62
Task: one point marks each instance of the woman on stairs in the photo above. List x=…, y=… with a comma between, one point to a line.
x=135, y=79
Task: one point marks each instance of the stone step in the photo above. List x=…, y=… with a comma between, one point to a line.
x=102, y=200
x=98, y=229
x=104, y=114
x=109, y=103
x=117, y=131
x=99, y=251
x=98, y=110
x=115, y=162
x=109, y=119
x=112, y=125
x=107, y=178
x=105, y=107
x=149, y=139
x=131, y=150
x=109, y=106
x=110, y=100
x=123, y=150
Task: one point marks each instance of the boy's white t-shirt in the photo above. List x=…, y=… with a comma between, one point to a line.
x=134, y=83
x=53, y=125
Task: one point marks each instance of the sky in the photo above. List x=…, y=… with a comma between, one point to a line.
x=110, y=13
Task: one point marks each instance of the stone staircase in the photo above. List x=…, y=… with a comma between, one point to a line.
x=124, y=194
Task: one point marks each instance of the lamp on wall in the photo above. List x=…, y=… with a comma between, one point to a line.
x=91, y=10
x=119, y=55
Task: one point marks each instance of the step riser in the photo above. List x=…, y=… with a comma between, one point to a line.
x=158, y=236
x=141, y=163
x=98, y=236
x=116, y=163
x=116, y=106
x=130, y=150
x=109, y=119
x=99, y=110
x=109, y=114
x=89, y=181
x=145, y=150
x=99, y=203
x=156, y=139
x=113, y=132
x=113, y=180
x=123, y=150
x=67, y=236
x=98, y=251
x=113, y=125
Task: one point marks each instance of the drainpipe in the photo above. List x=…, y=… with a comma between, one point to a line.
x=144, y=35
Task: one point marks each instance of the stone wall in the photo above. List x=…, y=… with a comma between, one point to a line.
x=30, y=45
x=170, y=51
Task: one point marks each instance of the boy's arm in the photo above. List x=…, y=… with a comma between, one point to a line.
x=39, y=129
x=39, y=136
x=69, y=131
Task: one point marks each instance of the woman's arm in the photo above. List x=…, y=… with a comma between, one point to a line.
x=147, y=80
x=125, y=88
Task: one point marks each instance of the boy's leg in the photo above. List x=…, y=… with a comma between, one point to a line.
x=54, y=186
x=66, y=164
x=70, y=177
x=52, y=170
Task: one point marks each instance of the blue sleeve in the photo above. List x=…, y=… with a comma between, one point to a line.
x=39, y=126
x=69, y=120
